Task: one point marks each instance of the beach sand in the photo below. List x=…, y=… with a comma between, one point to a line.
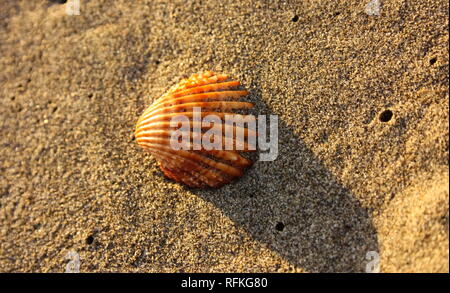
x=362, y=172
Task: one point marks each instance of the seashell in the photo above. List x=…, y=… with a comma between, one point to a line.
x=196, y=167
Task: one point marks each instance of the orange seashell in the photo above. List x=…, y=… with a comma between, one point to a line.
x=196, y=167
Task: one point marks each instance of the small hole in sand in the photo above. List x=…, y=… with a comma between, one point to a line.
x=58, y=1
x=433, y=60
x=295, y=18
x=386, y=116
x=90, y=240
x=279, y=226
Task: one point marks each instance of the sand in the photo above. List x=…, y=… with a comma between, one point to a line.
x=350, y=183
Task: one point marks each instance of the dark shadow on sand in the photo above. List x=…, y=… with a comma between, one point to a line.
x=298, y=208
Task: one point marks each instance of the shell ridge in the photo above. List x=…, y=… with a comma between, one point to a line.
x=198, y=97
x=223, y=105
x=200, y=89
x=166, y=136
x=204, y=174
x=230, y=170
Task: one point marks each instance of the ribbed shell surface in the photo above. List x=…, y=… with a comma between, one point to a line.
x=200, y=168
